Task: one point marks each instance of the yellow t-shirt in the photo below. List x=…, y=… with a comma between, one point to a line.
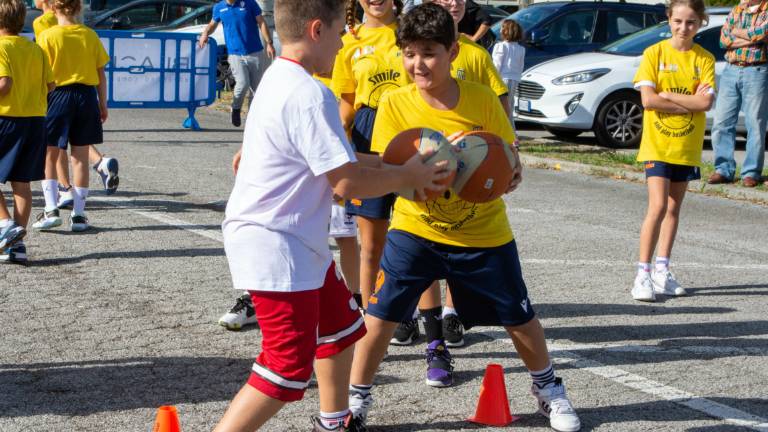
x=44, y=22
x=674, y=138
x=26, y=64
x=368, y=65
x=75, y=54
x=448, y=219
x=475, y=64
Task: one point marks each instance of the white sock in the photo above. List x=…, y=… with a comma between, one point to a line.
x=333, y=419
x=78, y=208
x=6, y=223
x=662, y=264
x=447, y=310
x=51, y=193
x=643, y=268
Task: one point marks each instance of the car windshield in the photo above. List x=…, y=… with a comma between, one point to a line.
x=527, y=17
x=636, y=43
x=186, y=17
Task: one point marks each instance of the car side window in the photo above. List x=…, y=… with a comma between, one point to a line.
x=176, y=11
x=710, y=41
x=571, y=29
x=622, y=23
x=138, y=17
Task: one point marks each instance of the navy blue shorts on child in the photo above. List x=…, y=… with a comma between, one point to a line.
x=486, y=283
x=374, y=208
x=675, y=173
x=22, y=149
x=73, y=116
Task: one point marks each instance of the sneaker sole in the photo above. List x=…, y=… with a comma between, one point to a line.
x=455, y=344
x=546, y=414
x=233, y=327
x=644, y=299
x=437, y=384
x=48, y=227
x=13, y=240
x=395, y=341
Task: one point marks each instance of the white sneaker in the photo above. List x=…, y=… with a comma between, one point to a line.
x=78, y=223
x=47, y=220
x=359, y=405
x=241, y=314
x=664, y=283
x=643, y=288
x=554, y=404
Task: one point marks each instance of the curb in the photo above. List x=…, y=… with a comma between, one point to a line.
x=697, y=186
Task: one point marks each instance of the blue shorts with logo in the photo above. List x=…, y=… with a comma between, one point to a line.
x=675, y=173
x=362, y=130
x=22, y=149
x=486, y=283
x=73, y=116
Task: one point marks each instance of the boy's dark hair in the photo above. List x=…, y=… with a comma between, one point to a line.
x=291, y=16
x=426, y=22
x=12, y=14
x=511, y=31
x=69, y=8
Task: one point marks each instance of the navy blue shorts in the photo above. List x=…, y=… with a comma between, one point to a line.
x=73, y=116
x=486, y=283
x=362, y=130
x=675, y=173
x=22, y=149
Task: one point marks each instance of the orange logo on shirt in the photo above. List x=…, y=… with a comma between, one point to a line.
x=649, y=165
x=356, y=202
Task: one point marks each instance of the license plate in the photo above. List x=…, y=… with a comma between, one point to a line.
x=524, y=105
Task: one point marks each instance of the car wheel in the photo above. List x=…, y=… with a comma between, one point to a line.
x=224, y=78
x=619, y=122
x=563, y=133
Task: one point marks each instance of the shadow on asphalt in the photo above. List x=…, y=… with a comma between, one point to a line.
x=161, y=253
x=568, y=310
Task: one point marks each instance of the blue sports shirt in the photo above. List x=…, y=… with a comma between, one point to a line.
x=241, y=32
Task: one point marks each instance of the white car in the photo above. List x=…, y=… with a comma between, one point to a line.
x=594, y=91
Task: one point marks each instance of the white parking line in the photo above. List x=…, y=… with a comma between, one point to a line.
x=565, y=353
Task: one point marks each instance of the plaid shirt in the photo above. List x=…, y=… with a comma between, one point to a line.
x=756, y=24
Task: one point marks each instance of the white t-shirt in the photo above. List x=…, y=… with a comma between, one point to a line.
x=276, y=223
x=508, y=57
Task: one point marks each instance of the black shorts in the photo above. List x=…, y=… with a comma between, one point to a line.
x=73, y=116
x=486, y=283
x=22, y=149
x=675, y=173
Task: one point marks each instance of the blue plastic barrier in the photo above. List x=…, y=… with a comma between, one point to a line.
x=159, y=70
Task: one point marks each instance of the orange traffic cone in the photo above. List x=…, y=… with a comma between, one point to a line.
x=167, y=420
x=493, y=405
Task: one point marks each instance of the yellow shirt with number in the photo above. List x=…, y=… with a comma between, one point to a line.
x=674, y=138
x=448, y=219
x=75, y=54
x=26, y=65
x=44, y=22
x=368, y=65
x=473, y=63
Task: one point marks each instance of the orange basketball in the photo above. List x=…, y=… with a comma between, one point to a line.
x=486, y=166
x=405, y=144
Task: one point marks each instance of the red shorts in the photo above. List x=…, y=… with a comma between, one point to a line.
x=296, y=328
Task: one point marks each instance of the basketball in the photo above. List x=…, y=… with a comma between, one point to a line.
x=405, y=144
x=486, y=166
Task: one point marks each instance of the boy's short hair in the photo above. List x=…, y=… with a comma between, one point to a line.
x=67, y=7
x=292, y=16
x=12, y=14
x=427, y=22
x=511, y=31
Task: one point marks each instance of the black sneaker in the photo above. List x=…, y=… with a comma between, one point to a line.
x=236, y=117
x=453, y=331
x=241, y=314
x=406, y=333
x=350, y=424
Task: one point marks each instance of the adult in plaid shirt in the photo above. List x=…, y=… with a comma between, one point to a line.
x=743, y=85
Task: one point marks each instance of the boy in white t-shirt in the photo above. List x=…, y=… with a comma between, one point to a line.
x=295, y=156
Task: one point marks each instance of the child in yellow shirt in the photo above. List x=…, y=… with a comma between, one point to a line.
x=76, y=110
x=25, y=79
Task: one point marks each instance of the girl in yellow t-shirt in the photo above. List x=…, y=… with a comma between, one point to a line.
x=676, y=79
x=367, y=66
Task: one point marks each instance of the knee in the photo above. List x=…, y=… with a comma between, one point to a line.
x=656, y=210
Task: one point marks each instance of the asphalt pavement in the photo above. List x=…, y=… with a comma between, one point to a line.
x=105, y=326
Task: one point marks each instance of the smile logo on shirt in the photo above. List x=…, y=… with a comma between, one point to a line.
x=448, y=212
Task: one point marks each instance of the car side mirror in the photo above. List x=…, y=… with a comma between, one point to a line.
x=537, y=37
x=120, y=22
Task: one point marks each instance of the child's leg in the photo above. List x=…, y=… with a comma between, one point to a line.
x=94, y=155
x=80, y=177
x=350, y=262
x=62, y=169
x=669, y=225
x=22, y=203
x=658, y=194
x=530, y=344
x=370, y=350
x=333, y=374
x=431, y=311
x=4, y=214
x=248, y=411
x=51, y=184
x=372, y=235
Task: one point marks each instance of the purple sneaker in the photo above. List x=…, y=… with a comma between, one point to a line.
x=439, y=365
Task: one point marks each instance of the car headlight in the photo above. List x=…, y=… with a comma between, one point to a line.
x=580, y=77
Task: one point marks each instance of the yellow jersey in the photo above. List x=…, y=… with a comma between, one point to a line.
x=448, y=219
x=27, y=66
x=368, y=65
x=75, y=54
x=473, y=63
x=44, y=22
x=674, y=138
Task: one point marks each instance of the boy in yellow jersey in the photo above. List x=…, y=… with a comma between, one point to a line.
x=76, y=108
x=469, y=245
x=106, y=167
x=676, y=79
x=25, y=80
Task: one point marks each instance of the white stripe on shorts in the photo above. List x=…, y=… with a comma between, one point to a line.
x=342, y=334
x=277, y=379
